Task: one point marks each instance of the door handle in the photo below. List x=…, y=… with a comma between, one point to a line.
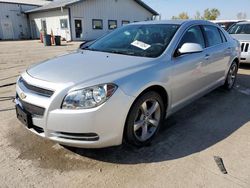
x=228, y=51
x=207, y=56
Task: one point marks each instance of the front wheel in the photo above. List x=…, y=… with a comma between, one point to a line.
x=144, y=119
x=231, y=76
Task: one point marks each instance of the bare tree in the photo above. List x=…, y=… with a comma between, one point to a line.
x=241, y=15
x=198, y=16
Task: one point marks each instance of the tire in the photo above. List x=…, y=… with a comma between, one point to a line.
x=144, y=119
x=231, y=76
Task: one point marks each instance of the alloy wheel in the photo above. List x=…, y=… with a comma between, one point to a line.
x=147, y=119
x=232, y=75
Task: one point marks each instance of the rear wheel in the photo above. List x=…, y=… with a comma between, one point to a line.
x=231, y=76
x=144, y=119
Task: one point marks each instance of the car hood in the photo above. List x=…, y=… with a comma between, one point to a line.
x=241, y=37
x=86, y=66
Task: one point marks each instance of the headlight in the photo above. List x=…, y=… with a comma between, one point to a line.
x=89, y=97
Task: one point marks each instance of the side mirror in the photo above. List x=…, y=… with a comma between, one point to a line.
x=85, y=44
x=82, y=44
x=189, y=48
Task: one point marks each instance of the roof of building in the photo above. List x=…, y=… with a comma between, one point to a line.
x=64, y=3
x=144, y=5
x=26, y=2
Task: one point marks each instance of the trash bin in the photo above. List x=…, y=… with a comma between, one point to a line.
x=47, y=40
x=41, y=37
x=57, y=40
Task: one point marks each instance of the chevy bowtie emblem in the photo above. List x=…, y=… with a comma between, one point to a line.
x=22, y=96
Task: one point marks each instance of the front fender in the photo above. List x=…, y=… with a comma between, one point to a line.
x=158, y=75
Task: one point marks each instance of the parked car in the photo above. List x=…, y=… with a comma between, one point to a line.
x=226, y=24
x=233, y=24
x=241, y=32
x=121, y=87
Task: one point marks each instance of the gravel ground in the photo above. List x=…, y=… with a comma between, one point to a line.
x=181, y=156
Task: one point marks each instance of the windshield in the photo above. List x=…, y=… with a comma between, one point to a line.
x=137, y=40
x=240, y=29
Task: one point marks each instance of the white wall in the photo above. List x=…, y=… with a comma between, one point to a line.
x=106, y=10
x=13, y=14
x=52, y=18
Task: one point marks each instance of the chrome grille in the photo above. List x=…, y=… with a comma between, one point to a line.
x=35, y=89
x=38, y=129
x=244, y=47
x=30, y=108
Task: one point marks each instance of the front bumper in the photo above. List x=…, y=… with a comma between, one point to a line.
x=245, y=52
x=245, y=57
x=89, y=128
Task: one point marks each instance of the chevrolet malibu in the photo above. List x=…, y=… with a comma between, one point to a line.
x=122, y=86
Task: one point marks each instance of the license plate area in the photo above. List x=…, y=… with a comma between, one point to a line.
x=24, y=116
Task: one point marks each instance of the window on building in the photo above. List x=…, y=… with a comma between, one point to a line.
x=125, y=22
x=64, y=23
x=112, y=24
x=97, y=24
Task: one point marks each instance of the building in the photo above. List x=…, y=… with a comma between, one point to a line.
x=86, y=19
x=14, y=22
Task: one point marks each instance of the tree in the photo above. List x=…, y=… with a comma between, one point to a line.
x=181, y=16
x=212, y=14
x=241, y=16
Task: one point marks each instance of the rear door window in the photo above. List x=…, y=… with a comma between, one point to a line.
x=224, y=39
x=213, y=35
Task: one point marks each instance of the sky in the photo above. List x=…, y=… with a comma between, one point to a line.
x=228, y=8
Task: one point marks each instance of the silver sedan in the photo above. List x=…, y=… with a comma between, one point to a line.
x=121, y=87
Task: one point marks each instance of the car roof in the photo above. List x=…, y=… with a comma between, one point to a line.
x=176, y=22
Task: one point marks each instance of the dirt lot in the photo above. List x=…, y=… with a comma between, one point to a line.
x=182, y=155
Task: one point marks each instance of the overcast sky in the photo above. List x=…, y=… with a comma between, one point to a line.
x=228, y=8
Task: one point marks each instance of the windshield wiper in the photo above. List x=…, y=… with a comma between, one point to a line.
x=90, y=49
x=116, y=52
x=122, y=52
